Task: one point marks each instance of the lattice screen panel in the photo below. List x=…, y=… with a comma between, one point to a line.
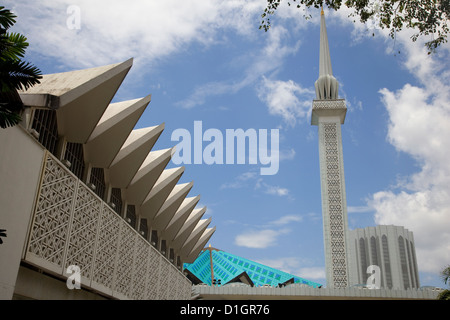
x=154, y=274
x=73, y=226
x=53, y=210
x=334, y=205
x=164, y=283
x=106, y=252
x=125, y=257
x=140, y=270
x=83, y=231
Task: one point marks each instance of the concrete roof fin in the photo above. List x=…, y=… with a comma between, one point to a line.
x=113, y=130
x=132, y=154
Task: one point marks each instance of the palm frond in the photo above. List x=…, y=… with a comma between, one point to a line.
x=2, y=234
x=19, y=75
x=12, y=46
x=7, y=18
x=8, y=118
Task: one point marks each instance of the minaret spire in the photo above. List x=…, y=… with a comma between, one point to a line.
x=326, y=85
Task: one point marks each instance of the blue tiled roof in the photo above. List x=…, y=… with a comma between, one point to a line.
x=227, y=266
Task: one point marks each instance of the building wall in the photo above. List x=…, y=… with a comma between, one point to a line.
x=54, y=220
x=239, y=291
x=34, y=285
x=20, y=170
x=389, y=247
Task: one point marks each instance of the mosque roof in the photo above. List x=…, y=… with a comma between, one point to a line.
x=228, y=268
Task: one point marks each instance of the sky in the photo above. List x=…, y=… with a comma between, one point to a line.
x=207, y=63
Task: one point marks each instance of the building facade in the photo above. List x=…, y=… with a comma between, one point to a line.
x=84, y=197
x=391, y=249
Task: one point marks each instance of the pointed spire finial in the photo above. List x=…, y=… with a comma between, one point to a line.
x=326, y=85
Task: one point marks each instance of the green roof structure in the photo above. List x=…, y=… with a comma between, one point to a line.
x=217, y=267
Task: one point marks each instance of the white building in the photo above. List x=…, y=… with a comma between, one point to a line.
x=392, y=249
x=79, y=187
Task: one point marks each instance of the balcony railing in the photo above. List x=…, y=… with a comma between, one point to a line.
x=72, y=226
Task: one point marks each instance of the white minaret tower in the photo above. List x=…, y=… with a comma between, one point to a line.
x=328, y=113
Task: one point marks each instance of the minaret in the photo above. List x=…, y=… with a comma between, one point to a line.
x=328, y=113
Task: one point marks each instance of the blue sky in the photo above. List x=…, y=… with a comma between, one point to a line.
x=207, y=61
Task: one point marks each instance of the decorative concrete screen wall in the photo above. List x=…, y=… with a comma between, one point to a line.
x=72, y=226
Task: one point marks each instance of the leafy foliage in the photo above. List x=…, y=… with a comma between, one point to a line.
x=15, y=74
x=445, y=275
x=444, y=295
x=2, y=234
x=427, y=17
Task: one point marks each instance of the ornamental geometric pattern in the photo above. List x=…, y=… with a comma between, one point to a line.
x=227, y=267
x=109, y=226
x=72, y=226
x=51, y=221
x=333, y=207
x=329, y=104
x=84, y=223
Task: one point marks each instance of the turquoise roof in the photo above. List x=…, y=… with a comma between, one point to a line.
x=227, y=266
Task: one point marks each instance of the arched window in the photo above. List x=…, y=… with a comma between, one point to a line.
x=414, y=264
x=364, y=265
x=403, y=262
x=387, y=261
x=373, y=251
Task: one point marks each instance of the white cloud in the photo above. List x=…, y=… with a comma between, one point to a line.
x=287, y=219
x=114, y=30
x=286, y=99
x=253, y=179
x=271, y=189
x=287, y=154
x=266, y=60
x=419, y=118
x=149, y=31
x=276, y=190
x=295, y=266
x=257, y=239
x=422, y=130
x=240, y=181
x=264, y=236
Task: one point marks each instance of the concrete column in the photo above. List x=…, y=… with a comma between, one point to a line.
x=328, y=115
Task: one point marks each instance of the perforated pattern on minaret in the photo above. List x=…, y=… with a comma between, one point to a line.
x=335, y=205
